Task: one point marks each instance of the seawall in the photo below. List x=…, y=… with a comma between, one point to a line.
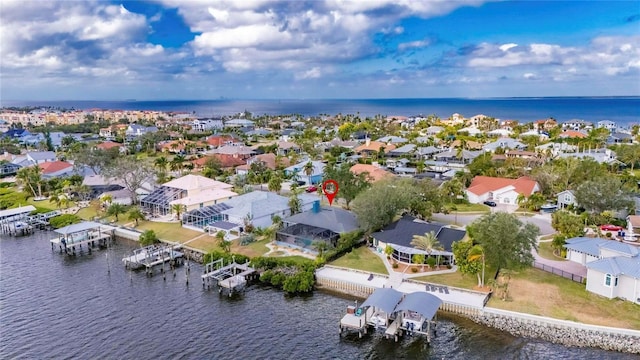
x=563, y=332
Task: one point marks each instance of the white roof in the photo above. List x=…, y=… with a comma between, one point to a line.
x=205, y=196
x=86, y=225
x=17, y=211
x=191, y=182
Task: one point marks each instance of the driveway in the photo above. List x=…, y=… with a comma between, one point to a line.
x=542, y=221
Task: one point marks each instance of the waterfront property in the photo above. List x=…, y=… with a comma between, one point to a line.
x=399, y=236
x=232, y=277
x=152, y=256
x=15, y=221
x=321, y=224
x=190, y=191
x=89, y=234
x=393, y=312
x=613, y=268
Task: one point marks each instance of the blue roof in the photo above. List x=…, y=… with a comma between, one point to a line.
x=618, y=265
x=592, y=246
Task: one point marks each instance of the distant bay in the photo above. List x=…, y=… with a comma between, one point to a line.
x=623, y=110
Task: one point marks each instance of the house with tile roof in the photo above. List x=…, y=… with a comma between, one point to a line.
x=53, y=169
x=270, y=161
x=106, y=145
x=370, y=148
x=613, y=267
x=226, y=161
x=572, y=134
x=373, y=173
x=500, y=190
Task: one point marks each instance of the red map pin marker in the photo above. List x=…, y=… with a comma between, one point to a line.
x=332, y=191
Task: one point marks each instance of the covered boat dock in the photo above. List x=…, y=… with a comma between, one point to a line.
x=89, y=233
x=394, y=312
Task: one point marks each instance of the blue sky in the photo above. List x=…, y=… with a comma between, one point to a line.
x=255, y=49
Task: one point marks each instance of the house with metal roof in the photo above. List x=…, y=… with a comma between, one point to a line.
x=613, y=267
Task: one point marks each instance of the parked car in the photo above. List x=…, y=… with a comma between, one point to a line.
x=311, y=189
x=490, y=203
x=609, y=227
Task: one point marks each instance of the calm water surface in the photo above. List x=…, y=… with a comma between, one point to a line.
x=56, y=307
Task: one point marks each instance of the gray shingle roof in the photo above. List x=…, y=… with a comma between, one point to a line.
x=332, y=218
x=401, y=232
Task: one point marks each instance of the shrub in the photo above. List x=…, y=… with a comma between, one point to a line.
x=431, y=261
x=63, y=220
x=228, y=258
x=608, y=235
x=414, y=269
x=395, y=265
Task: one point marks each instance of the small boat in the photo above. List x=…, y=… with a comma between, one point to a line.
x=548, y=208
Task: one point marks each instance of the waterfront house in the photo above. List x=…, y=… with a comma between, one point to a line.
x=320, y=224
x=206, y=124
x=256, y=207
x=613, y=268
x=577, y=124
x=607, y=124
x=545, y=124
x=500, y=190
x=399, y=236
x=565, y=199
x=190, y=192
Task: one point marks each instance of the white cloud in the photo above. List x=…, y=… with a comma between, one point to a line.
x=414, y=44
x=506, y=47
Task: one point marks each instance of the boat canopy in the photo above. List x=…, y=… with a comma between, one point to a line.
x=385, y=299
x=423, y=303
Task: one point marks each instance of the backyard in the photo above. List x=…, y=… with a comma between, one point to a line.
x=537, y=292
x=167, y=231
x=362, y=259
x=545, y=250
x=457, y=279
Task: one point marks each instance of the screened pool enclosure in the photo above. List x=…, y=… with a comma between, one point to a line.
x=205, y=216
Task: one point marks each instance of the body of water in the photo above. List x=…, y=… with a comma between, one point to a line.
x=53, y=306
x=624, y=110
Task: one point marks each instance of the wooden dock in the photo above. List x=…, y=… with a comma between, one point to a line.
x=232, y=277
x=154, y=255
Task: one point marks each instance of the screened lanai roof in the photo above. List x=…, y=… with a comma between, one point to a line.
x=162, y=195
x=208, y=211
x=421, y=302
x=308, y=230
x=385, y=299
x=413, y=251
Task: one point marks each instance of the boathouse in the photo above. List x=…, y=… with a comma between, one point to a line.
x=76, y=238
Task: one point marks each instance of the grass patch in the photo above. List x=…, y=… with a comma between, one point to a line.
x=361, y=259
x=256, y=248
x=297, y=259
x=88, y=213
x=166, y=231
x=461, y=208
x=537, y=292
x=546, y=251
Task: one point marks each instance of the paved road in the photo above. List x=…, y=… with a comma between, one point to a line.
x=542, y=221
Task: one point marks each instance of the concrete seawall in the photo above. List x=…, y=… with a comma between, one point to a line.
x=523, y=325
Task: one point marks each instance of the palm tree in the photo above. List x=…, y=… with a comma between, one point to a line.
x=178, y=209
x=427, y=242
x=136, y=214
x=115, y=209
x=321, y=246
x=476, y=253
x=308, y=170
x=161, y=163
x=106, y=200
x=148, y=237
x=275, y=182
x=277, y=221
x=32, y=177
x=177, y=163
x=224, y=244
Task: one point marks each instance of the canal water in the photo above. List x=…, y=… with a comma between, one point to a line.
x=57, y=307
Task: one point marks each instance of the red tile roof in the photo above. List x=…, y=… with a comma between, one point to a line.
x=219, y=140
x=483, y=184
x=572, y=134
x=108, y=145
x=375, y=173
x=226, y=160
x=50, y=167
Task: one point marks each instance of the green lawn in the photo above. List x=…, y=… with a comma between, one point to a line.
x=455, y=279
x=256, y=248
x=361, y=259
x=87, y=213
x=297, y=259
x=537, y=292
x=546, y=251
x=166, y=231
x=462, y=208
